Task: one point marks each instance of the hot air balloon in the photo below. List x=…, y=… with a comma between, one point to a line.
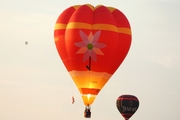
x=92, y=43
x=127, y=105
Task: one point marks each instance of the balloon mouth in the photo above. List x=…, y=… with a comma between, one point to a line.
x=88, y=99
x=88, y=96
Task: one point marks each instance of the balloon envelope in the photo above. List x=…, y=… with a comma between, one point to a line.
x=127, y=105
x=92, y=43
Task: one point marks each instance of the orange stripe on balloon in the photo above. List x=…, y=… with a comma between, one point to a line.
x=92, y=91
x=105, y=27
x=60, y=26
x=79, y=25
x=124, y=30
x=74, y=73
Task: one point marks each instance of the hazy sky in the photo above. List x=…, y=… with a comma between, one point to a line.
x=34, y=84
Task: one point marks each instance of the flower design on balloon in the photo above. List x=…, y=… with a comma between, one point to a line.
x=90, y=46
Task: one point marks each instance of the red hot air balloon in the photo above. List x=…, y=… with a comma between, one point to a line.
x=92, y=43
x=127, y=105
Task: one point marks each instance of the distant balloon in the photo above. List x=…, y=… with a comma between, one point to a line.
x=26, y=42
x=127, y=105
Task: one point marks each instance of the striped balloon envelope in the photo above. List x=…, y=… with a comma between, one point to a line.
x=92, y=43
x=127, y=105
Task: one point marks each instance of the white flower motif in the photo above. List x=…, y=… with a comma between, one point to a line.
x=90, y=46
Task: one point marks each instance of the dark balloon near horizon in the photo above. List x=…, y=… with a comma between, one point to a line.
x=127, y=105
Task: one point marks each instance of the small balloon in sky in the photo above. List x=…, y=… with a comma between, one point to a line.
x=26, y=42
x=127, y=105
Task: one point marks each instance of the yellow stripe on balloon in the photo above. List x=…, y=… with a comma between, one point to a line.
x=105, y=27
x=60, y=26
x=124, y=30
x=79, y=25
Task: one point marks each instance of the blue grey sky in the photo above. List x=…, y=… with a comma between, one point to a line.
x=34, y=84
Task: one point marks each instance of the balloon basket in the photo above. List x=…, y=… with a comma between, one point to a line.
x=87, y=113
